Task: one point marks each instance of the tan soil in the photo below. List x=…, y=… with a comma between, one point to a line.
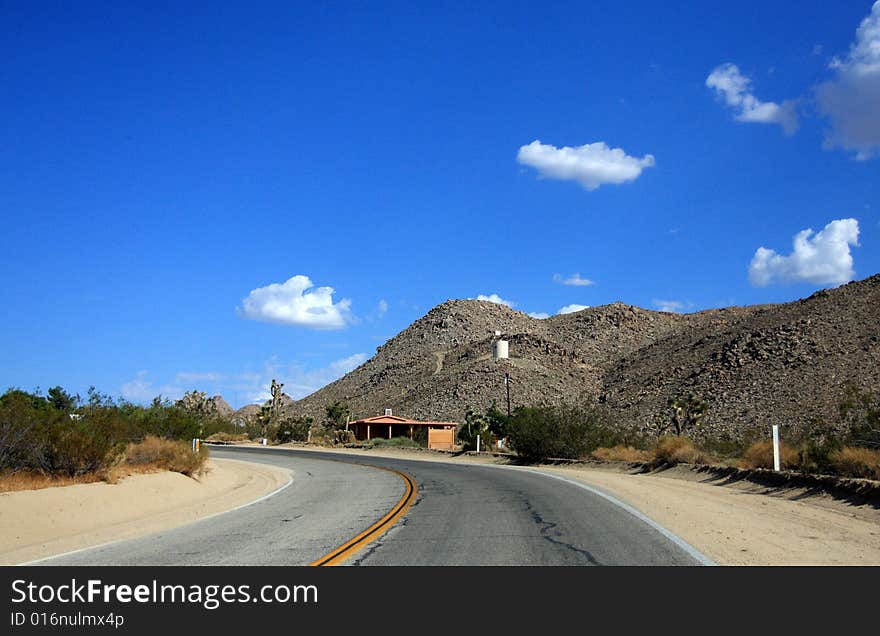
x=35, y=524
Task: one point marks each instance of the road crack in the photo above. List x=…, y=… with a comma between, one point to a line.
x=549, y=532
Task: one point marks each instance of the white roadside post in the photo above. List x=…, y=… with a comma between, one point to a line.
x=478, y=443
x=776, y=447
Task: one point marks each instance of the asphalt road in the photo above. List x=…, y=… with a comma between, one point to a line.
x=464, y=515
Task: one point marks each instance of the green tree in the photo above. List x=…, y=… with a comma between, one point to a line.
x=474, y=424
x=337, y=414
x=292, y=429
x=497, y=422
x=61, y=399
x=685, y=415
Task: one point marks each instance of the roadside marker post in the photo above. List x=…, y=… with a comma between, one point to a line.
x=776, y=466
x=478, y=443
x=196, y=444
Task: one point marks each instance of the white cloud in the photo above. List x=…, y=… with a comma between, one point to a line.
x=248, y=387
x=495, y=298
x=141, y=390
x=824, y=259
x=290, y=303
x=382, y=308
x=671, y=306
x=735, y=89
x=196, y=376
x=575, y=280
x=540, y=315
x=852, y=99
x=570, y=309
x=298, y=381
x=591, y=165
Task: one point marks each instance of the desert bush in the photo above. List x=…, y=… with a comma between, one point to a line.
x=760, y=455
x=475, y=424
x=23, y=424
x=565, y=431
x=167, y=454
x=90, y=444
x=394, y=442
x=856, y=462
x=291, y=429
x=621, y=453
x=860, y=411
x=673, y=449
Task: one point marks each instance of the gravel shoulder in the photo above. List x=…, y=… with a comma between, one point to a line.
x=738, y=524
x=36, y=524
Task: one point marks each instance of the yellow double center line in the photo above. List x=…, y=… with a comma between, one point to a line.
x=349, y=548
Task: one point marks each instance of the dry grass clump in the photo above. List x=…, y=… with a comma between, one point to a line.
x=679, y=450
x=166, y=454
x=222, y=436
x=856, y=462
x=28, y=480
x=621, y=453
x=760, y=455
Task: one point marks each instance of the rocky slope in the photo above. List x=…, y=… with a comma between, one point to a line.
x=786, y=364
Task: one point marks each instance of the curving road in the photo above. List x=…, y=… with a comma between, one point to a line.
x=464, y=515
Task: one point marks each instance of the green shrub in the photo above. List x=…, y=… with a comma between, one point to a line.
x=292, y=429
x=475, y=425
x=394, y=442
x=565, y=432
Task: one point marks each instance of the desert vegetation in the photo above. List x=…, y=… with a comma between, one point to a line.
x=678, y=434
x=60, y=437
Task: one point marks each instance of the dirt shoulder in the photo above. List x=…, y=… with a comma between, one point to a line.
x=35, y=524
x=738, y=523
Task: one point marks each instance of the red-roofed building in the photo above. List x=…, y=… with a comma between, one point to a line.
x=441, y=435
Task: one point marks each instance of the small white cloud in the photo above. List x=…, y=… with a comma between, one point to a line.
x=343, y=366
x=290, y=303
x=670, y=306
x=495, y=298
x=824, y=259
x=185, y=377
x=570, y=309
x=382, y=308
x=540, y=315
x=575, y=280
x=852, y=99
x=591, y=165
x=141, y=390
x=735, y=89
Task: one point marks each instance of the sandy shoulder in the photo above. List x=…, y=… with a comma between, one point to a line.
x=39, y=523
x=749, y=525
x=746, y=527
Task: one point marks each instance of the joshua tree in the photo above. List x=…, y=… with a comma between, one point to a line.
x=686, y=414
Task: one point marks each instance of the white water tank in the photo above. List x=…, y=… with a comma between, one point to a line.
x=501, y=351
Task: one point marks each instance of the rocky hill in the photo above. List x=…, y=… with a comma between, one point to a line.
x=759, y=365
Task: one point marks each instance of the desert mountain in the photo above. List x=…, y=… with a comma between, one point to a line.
x=786, y=364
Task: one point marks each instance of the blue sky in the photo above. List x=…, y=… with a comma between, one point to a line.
x=179, y=184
